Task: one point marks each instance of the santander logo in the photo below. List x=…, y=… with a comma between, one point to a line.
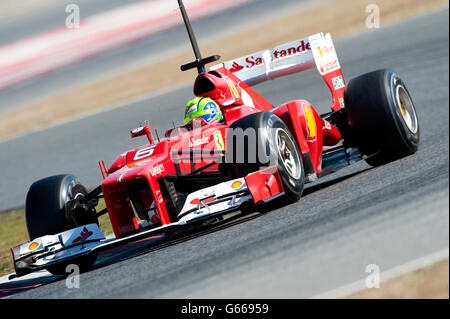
x=235, y=67
x=257, y=59
x=290, y=49
x=247, y=62
x=250, y=62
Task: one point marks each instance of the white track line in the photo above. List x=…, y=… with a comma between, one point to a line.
x=387, y=275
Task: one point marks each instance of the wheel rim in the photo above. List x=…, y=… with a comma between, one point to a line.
x=406, y=109
x=288, y=154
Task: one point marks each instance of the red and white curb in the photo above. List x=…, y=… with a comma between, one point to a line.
x=50, y=51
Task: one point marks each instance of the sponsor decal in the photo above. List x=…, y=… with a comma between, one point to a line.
x=324, y=53
x=197, y=201
x=252, y=61
x=329, y=66
x=282, y=52
x=218, y=140
x=235, y=67
x=157, y=170
x=33, y=246
x=192, y=109
x=259, y=59
x=328, y=61
x=158, y=198
x=236, y=184
x=247, y=62
x=327, y=50
x=311, y=122
x=233, y=89
x=85, y=234
x=338, y=82
x=198, y=142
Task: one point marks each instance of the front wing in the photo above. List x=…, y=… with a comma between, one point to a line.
x=258, y=187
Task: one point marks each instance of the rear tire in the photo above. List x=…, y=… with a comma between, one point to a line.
x=382, y=117
x=265, y=141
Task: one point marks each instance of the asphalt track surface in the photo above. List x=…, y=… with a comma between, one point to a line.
x=125, y=57
x=344, y=222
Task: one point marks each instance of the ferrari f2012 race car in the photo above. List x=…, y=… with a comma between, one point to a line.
x=200, y=173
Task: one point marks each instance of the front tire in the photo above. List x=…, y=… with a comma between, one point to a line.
x=260, y=140
x=46, y=214
x=382, y=117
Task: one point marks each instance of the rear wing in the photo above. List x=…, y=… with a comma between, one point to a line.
x=316, y=50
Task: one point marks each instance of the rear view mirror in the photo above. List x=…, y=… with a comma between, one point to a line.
x=143, y=130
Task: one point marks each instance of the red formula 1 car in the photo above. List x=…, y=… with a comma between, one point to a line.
x=201, y=173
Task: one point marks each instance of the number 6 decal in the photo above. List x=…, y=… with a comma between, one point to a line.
x=143, y=153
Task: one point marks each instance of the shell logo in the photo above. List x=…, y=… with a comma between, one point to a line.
x=33, y=246
x=236, y=184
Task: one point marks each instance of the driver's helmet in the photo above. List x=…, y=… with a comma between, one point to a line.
x=204, y=108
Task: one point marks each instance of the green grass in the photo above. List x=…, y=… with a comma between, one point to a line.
x=13, y=231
